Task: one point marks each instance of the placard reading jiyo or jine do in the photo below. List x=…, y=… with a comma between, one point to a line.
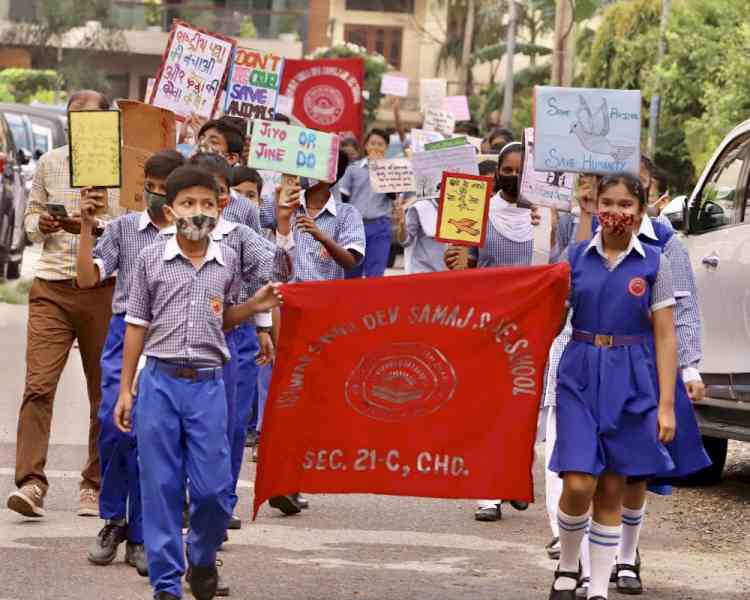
x=193, y=71
x=587, y=130
x=463, y=209
x=95, y=148
x=254, y=83
x=276, y=146
x=389, y=175
x=544, y=188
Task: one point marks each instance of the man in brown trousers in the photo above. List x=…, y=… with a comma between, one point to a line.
x=59, y=314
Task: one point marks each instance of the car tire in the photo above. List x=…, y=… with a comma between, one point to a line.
x=13, y=270
x=716, y=448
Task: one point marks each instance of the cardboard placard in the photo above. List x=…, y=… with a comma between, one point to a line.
x=443, y=144
x=458, y=106
x=420, y=137
x=95, y=148
x=587, y=130
x=254, y=82
x=463, y=209
x=429, y=168
x=439, y=120
x=193, y=71
x=146, y=130
x=276, y=146
x=389, y=175
x=554, y=190
x=432, y=92
x=394, y=85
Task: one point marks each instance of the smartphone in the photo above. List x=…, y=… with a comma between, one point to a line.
x=57, y=210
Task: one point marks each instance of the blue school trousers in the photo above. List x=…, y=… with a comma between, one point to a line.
x=181, y=425
x=264, y=383
x=120, y=492
x=378, y=237
x=246, y=340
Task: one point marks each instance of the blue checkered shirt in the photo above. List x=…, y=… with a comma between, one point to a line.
x=118, y=249
x=425, y=253
x=183, y=308
x=356, y=184
x=499, y=251
x=243, y=211
x=311, y=261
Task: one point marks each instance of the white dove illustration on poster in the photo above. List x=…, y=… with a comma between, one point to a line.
x=587, y=130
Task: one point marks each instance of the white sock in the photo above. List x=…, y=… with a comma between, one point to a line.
x=488, y=503
x=632, y=520
x=572, y=530
x=585, y=556
x=603, y=543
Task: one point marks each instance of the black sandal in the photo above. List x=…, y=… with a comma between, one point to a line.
x=629, y=584
x=564, y=594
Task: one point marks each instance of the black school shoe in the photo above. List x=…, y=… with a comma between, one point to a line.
x=628, y=584
x=286, y=504
x=107, y=541
x=203, y=581
x=636, y=568
x=564, y=594
x=135, y=556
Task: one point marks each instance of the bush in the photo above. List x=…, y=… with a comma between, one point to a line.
x=23, y=84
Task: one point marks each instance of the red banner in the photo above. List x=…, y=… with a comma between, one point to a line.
x=427, y=385
x=327, y=93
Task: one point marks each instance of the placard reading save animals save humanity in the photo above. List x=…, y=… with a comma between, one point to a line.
x=254, y=84
x=276, y=146
x=587, y=130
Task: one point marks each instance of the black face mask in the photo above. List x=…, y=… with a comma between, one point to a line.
x=507, y=184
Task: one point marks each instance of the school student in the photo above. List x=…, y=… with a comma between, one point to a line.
x=375, y=208
x=183, y=294
x=260, y=261
x=615, y=383
x=416, y=228
x=248, y=183
x=326, y=240
x=117, y=252
x=509, y=241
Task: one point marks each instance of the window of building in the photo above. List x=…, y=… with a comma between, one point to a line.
x=383, y=40
x=398, y=6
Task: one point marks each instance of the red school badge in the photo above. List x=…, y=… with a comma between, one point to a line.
x=637, y=286
x=217, y=306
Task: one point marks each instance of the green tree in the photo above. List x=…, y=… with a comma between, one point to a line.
x=375, y=66
x=24, y=84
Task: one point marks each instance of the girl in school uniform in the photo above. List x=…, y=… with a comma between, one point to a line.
x=615, y=383
x=375, y=208
x=416, y=227
x=509, y=241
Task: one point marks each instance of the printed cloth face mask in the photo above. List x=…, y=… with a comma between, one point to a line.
x=194, y=227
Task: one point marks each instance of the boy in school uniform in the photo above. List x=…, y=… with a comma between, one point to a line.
x=326, y=240
x=250, y=343
x=117, y=252
x=183, y=295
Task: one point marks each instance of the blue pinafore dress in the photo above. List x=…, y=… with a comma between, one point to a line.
x=607, y=397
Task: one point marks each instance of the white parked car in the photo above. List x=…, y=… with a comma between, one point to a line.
x=716, y=224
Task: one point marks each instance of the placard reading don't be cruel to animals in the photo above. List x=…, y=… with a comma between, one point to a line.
x=587, y=130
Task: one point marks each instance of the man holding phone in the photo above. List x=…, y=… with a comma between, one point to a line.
x=59, y=314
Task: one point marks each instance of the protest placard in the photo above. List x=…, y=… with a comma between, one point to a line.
x=463, y=209
x=146, y=129
x=394, y=85
x=420, y=137
x=285, y=105
x=551, y=189
x=458, y=106
x=439, y=120
x=443, y=144
x=95, y=153
x=193, y=71
x=150, y=82
x=254, y=81
x=474, y=141
x=429, y=167
x=276, y=146
x=388, y=175
x=587, y=130
x=432, y=92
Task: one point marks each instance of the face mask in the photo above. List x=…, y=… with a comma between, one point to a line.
x=616, y=223
x=507, y=184
x=154, y=202
x=195, y=227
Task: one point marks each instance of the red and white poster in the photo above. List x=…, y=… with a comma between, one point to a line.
x=427, y=385
x=327, y=93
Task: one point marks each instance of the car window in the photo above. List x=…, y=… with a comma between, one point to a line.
x=42, y=139
x=722, y=200
x=18, y=130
